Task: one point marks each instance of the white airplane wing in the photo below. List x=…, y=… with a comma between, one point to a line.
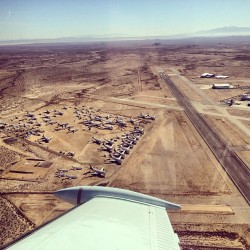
x=109, y=219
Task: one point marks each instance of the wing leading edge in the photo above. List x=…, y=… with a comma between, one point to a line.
x=104, y=222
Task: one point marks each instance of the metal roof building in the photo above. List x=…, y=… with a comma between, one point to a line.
x=222, y=86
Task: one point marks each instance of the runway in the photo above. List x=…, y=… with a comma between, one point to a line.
x=233, y=165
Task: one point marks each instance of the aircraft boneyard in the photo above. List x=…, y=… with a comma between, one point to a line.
x=25, y=126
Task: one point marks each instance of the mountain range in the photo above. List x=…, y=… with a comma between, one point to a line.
x=232, y=31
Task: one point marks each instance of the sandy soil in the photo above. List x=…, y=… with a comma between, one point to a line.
x=169, y=161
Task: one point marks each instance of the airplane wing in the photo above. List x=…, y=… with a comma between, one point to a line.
x=108, y=219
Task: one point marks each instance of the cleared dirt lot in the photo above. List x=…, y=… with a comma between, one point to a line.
x=118, y=85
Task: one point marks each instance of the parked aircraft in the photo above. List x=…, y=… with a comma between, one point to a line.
x=135, y=136
x=132, y=138
x=58, y=113
x=107, y=147
x=150, y=117
x=115, y=159
x=129, y=142
x=142, y=116
x=113, y=122
x=62, y=170
x=97, y=141
x=97, y=118
x=63, y=125
x=71, y=177
x=124, y=148
x=46, y=117
x=98, y=172
x=107, y=116
x=132, y=121
x=30, y=114
x=109, y=127
x=125, y=144
x=38, y=124
x=47, y=112
x=49, y=122
x=60, y=174
x=118, y=153
x=147, y=116
x=45, y=139
x=91, y=123
x=76, y=168
x=121, y=123
x=138, y=130
x=119, y=117
x=70, y=130
x=71, y=154
x=109, y=142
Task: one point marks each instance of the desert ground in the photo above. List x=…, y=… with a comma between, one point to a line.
x=55, y=99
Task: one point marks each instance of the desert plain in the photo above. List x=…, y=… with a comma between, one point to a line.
x=55, y=98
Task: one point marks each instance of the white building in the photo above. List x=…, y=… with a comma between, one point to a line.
x=222, y=86
x=221, y=77
x=207, y=75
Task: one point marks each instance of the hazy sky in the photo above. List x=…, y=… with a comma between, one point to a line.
x=22, y=19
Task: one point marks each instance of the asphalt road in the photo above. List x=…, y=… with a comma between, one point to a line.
x=233, y=165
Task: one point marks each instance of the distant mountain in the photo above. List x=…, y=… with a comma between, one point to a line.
x=230, y=30
x=87, y=39
x=233, y=32
x=76, y=39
